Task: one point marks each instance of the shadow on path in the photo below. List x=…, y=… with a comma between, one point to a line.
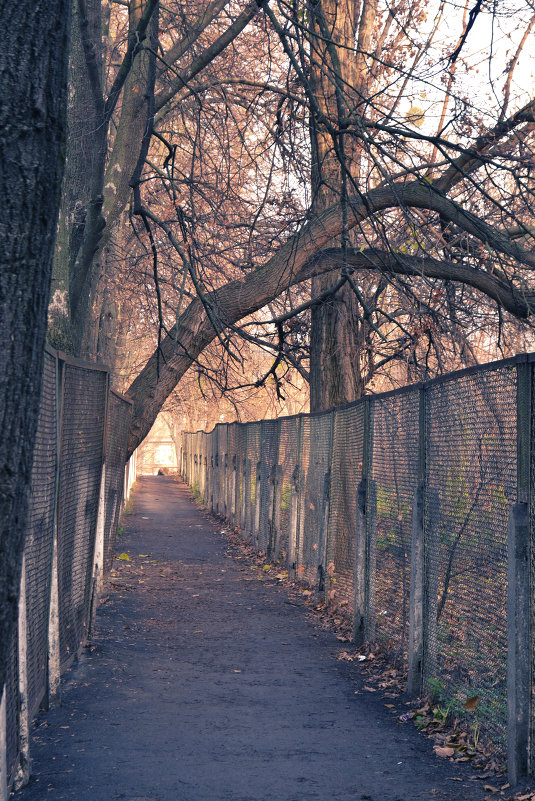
x=205, y=684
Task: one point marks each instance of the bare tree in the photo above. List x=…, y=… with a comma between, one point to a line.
x=410, y=245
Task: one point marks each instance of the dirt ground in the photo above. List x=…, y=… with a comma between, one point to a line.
x=205, y=682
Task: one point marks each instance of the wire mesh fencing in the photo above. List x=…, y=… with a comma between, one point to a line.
x=413, y=513
x=77, y=487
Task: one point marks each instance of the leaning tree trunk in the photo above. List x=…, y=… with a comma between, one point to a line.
x=32, y=130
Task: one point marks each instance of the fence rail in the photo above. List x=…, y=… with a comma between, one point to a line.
x=78, y=484
x=413, y=511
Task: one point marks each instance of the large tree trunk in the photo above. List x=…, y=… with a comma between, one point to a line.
x=84, y=156
x=32, y=131
x=338, y=77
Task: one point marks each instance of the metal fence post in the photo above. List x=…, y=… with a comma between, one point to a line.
x=518, y=592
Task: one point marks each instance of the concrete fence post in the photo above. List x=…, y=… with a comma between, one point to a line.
x=270, y=511
x=417, y=586
x=432, y=522
x=519, y=603
x=293, y=525
x=362, y=622
x=234, y=491
x=416, y=600
x=207, y=479
x=360, y=611
x=210, y=461
x=97, y=575
x=215, y=505
x=371, y=535
x=518, y=643
x=237, y=491
x=257, y=502
x=54, y=658
x=98, y=561
x=224, y=499
x=293, y=530
x=246, y=497
x=23, y=770
x=4, y=795
x=53, y=696
x=274, y=535
x=321, y=586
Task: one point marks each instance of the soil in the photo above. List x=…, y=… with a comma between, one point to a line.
x=207, y=681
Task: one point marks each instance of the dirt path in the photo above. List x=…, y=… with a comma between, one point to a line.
x=205, y=684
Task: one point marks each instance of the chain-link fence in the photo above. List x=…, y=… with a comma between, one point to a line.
x=78, y=482
x=412, y=511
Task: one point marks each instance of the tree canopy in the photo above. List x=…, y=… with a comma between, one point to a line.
x=345, y=184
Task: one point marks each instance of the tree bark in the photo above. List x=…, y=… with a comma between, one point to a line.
x=338, y=77
x=83, y=157
x=32, y=140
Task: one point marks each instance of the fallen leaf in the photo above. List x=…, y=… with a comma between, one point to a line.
x=124, y=557
x=345, y=656
x=471, y=703
x=490, y=788
x=143, y=555
x=370, y=689
x=443, y=751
